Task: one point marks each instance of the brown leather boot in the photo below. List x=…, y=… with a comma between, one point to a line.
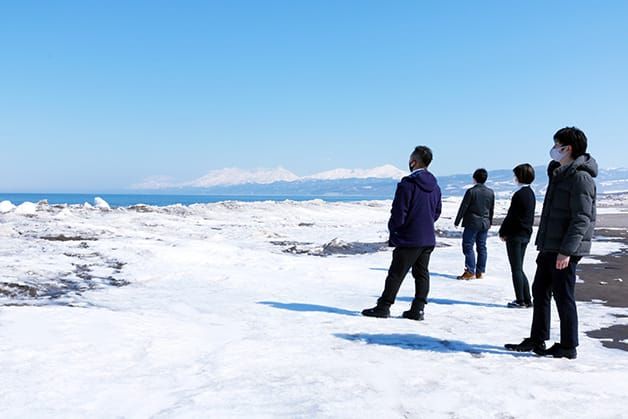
x=479, y=275
x=466, y=275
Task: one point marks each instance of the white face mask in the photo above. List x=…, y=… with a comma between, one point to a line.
x=558, y=155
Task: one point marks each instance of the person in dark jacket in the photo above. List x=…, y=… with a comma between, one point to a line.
x=415, y=208
x=476, y=214
x=516, y=230
x=564, y=236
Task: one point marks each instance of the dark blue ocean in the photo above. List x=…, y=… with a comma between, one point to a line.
x=121, y=200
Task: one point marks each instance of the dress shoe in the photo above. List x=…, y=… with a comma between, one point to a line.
x=413, y=315
x=377, y=311
x=527, y=345
x=559, y=351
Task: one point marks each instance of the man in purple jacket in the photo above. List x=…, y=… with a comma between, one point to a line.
x=417, y=205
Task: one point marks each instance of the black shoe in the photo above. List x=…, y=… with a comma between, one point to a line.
x=517, y=304
x=413, y=315
x=377, y=311
x=559, y=351
x=527, y=345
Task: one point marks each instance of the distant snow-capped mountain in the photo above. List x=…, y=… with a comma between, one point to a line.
x=377, y=183
x=613, y=180
x=234, y=176
x=387, y=171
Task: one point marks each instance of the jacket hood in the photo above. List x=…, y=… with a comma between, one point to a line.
x=423, y=179
x=587, y=164
x=584, y=163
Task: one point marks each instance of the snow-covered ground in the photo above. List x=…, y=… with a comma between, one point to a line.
x=240, y=310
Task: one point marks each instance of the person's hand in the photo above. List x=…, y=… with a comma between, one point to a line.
x=562, y=261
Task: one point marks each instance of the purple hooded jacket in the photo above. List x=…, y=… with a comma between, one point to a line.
x=417, y=205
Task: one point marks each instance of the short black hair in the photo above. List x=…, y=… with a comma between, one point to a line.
x=575, y=138
x=422, y=154
x=480, y=175
x=524, y=173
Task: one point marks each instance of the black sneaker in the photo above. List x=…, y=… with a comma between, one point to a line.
x=527, y=345
x=559, y=351
x=517, y=304
x=413, y=315
x=377, y=311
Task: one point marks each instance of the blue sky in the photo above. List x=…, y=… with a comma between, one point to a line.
x=99, y=95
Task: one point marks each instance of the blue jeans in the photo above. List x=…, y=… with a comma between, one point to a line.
x=472, y=237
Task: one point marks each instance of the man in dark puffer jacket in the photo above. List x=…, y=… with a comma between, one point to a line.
x=564, y=236
x=417, y=205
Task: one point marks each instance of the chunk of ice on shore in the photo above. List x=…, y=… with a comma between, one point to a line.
x=26, y=208
x=6, y=206
x=590, y=261
x=7, y=231
x=101, y=204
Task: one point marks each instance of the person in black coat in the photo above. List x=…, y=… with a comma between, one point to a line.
x=564, y=236
x=516, y=230
x=476, y=214
x=416, y=206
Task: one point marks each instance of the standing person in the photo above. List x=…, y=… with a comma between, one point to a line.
x=516, y=230
x=564, y=236
x=415, y=208
x=476, y=214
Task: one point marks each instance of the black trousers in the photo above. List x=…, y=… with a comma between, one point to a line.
x=561, y=284
x=516, y=248
x=404, y=258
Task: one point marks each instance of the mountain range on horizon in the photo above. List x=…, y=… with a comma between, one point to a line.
x=235, y=176
x=378, y=182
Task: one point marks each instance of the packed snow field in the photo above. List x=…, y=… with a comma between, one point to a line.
x=253, y=310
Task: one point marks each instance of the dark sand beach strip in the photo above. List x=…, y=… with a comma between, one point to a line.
x=608, y=281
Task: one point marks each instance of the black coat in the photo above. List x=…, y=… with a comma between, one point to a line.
x=520, y=218
x=568, y=217
x=476, y=209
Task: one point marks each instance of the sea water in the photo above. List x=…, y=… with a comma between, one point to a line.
x=125, y=200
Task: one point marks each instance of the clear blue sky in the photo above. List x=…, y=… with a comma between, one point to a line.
x=99, y=95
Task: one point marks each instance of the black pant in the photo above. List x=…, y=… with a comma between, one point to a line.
x=516, y=248
x=404, y=258
x=550, y=281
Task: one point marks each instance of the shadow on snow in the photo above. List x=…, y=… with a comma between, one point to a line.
x=447, y=301
x=448, y=276
x=404, y=341
x=309, y=307
x=427, y=343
